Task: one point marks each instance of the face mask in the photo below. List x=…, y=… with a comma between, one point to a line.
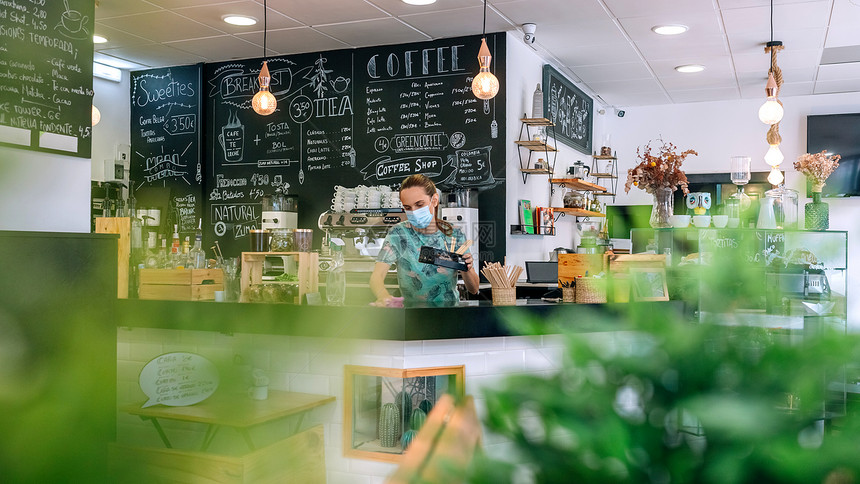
x=420, y=218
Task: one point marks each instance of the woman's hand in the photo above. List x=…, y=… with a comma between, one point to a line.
x=470, y=277
x=383, y=301
x=467, y=259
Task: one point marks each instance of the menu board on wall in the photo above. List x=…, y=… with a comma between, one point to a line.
x=370, y=116
x=165, y=139
x=46, y=75
x=569, y=108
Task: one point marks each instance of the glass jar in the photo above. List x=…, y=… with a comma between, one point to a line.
x=574, y=199
x=663, y=209
x=283, y=240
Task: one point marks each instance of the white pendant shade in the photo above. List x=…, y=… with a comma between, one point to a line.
x=770, y=112
x=774, y=156
x=775, y=177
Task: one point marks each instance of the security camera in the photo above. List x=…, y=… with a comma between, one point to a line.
x=529, y=33
x=620, y=113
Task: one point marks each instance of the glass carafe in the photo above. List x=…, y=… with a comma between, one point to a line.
x=740, y=174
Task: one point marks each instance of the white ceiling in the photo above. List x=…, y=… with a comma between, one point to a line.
x=605, y=45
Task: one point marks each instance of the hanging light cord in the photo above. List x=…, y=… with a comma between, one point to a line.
x=484, y=29
x=265, y=26
x=771, y=20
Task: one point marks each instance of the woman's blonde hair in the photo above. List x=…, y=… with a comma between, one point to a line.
x=425, y=183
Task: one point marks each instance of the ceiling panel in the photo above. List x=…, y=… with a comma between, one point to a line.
x=360, y=34
x=705, y=95
x=319, y=12
x=834, y=72
x=599, y=54
x=212, y=16
x=117, y=38
x=219, y=48
x=153, y=55
x=753, y=42
x=452, y=23
x=551, y=12
x=727, y=4
x=598, y=32
x=613, y=72
x=636, y=99
x=711, y=46
x=786, y=59
x=115, y=8
x=163, y=26
x=192, y=3
x=794, y=16
x=843, y=24
x=640, y=8
x=847, y=85
x=701, y=25
x=398, y=8
x=630, y=86
x=294, y=41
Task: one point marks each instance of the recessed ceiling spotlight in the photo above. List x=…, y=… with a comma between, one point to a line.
x=98, y=39
x=419, y=2
x=669, y=29
x=689, y=68
x=242, y=20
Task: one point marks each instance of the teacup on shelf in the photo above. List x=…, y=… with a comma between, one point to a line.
x=702, y=221
x=680, y=221
x=720, y=221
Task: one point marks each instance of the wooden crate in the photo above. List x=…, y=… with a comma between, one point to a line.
x=571, y=266
x=308, y=271
x=180, y=284
x=121, y=226
x=299, y=459
x=619, y=266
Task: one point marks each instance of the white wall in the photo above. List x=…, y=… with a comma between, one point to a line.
x=719, y=130
x=51, y=193
x=524, y=72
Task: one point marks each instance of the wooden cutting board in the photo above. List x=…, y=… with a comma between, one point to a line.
x=571, y=266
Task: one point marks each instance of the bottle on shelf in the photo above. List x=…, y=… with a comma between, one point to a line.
x=197, y=256
x=335, y=281
x=151, y=260
x=164, y=255
x=175, y=248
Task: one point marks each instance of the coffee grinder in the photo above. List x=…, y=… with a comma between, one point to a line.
x=280, y=211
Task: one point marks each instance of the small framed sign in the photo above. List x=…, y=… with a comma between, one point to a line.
x=569, y=108
x=648, y=284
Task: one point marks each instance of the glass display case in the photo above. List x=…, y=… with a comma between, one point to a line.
x=385, y=407
x=788, y=279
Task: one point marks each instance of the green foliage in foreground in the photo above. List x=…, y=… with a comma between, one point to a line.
x=674, y=402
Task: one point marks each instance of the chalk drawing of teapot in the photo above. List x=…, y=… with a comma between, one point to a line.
x=341, y=84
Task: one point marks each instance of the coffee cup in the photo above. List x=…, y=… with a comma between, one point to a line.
x=702, y=221
x=73, y=21
x=232, y=141
x=720, y=221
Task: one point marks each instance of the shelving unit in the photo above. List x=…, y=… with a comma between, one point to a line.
x=521, y=230
x=611, y=175
x=532, y=146
x=579, y=185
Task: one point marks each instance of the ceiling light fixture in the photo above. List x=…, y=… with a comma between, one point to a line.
x=98, y=39
x=485, y=85
x=669, y=29
x=264, y=102
x=690, y=68
x=97, y=115
x=241, y=20
x=419, y=2
x=771, y=112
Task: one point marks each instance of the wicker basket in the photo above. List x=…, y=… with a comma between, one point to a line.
x=590, y=290
x=504, y=296
x=568, y=294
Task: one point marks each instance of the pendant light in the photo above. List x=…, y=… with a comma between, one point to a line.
x=97, y=115
x=771, y=112
x=264, y=102
x=485, y=85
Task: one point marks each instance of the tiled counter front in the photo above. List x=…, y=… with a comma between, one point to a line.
x=316, y=365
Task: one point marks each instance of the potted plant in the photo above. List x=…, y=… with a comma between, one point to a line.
x=659, y=173
x=816, y=168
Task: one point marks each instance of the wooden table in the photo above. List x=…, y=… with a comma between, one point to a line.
x=231, y=410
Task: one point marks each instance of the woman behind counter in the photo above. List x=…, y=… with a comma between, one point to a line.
x=420, y=283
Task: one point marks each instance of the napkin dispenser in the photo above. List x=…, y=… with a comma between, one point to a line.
x=442, y=258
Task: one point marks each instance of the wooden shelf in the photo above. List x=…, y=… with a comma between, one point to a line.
x=603, y=175
x=577, y=212
x=577, y=184
x=537, y=122
x=536, y=171
x=604, y=194
x=604, y=157
x=535, y=145
x=520, y=230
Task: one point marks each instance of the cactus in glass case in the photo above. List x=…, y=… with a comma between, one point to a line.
x=389, y=425
x=425, y=406
x=406, y=440
x=418, y=419
x=404, y=404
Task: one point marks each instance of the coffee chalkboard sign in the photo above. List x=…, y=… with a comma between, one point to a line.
x=569, y=108
x=46, y=75
x=369, y=116
x=165, y=139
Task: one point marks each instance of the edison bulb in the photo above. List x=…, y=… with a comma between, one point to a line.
x=775, y=177
x=773, y=157
x=97, y=115
x=485, y=85
x=771, y=111
x=264, y=102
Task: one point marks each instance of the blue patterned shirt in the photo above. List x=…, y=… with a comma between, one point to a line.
x=419, y=282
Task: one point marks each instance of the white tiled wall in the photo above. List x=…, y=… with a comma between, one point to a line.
x=315, y=365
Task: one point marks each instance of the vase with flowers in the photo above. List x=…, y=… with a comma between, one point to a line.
x=817, y=167
x=659, y=173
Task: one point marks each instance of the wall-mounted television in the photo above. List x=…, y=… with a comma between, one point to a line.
x=838, y=134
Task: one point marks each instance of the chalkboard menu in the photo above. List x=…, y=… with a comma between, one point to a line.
x=46, y=75
x=165, y=139
x=569, y=108
x=368, y=116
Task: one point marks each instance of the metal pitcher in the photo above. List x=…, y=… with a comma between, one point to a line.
x=578, y=170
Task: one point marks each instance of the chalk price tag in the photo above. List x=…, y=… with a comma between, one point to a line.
x=178, y=379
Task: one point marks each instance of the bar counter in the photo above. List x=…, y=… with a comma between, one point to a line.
x=469, y=319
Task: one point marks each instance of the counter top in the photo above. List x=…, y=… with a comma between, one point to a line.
x=470, y=319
